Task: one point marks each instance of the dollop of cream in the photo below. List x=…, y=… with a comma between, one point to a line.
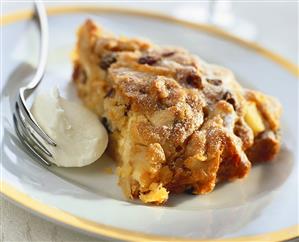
x=80, y=137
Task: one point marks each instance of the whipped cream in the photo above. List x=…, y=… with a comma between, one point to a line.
x=80, y=137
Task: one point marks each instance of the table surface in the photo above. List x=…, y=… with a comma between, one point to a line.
x=275, y=33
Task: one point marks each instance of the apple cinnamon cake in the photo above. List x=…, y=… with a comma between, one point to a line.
x=176, y=123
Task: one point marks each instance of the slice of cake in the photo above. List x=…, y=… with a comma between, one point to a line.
x=175, y=122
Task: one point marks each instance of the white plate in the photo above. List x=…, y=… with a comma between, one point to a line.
x=262, y=205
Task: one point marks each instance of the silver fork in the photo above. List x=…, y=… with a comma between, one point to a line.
x=27, y=129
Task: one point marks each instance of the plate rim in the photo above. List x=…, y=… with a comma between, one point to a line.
x=76, y=222
x=81, y=224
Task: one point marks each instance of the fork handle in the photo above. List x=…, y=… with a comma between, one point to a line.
x=41, y=13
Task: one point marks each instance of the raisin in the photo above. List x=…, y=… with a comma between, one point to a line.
x=110, y=93
x=79, y=74
x=76, y=72
x=142, y=91
x=216, y=82
x=148, y=59
x=228, y=97
x=107, y=60
x=205, y=111
x=128, y=108
x=169, y=53
x=179, y=148
x=189, y=76
x=194, y=80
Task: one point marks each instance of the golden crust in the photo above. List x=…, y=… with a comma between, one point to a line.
x=176, y=123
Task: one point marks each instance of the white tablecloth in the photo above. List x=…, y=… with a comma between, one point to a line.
x=277, y=29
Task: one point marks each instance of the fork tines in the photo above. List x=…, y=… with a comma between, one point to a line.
x=30, y=134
